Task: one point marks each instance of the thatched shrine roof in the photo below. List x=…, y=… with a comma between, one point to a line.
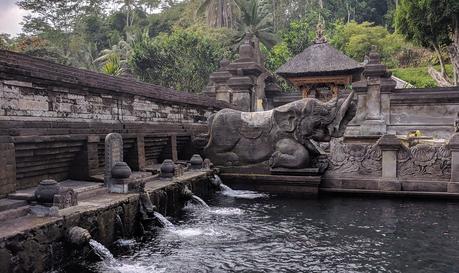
x=319, y=59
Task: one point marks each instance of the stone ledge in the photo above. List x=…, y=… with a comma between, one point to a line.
x=301, y=186
x=390, y=194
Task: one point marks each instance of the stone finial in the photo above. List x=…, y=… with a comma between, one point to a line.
x=320, y=29
x=167, y=169
x=50, y=193
x=121, y=170
x=374, y=57
x=374, y=68
x=196, y=162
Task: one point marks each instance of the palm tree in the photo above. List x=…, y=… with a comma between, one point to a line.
x=219, y=13
x=116, y=56
x=255, y=26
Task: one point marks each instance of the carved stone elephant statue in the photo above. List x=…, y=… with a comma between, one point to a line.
x=283, y=137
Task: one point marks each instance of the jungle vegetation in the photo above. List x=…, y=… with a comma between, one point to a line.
x=179, y=43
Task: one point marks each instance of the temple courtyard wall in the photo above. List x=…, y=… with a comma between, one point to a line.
x=54, y=119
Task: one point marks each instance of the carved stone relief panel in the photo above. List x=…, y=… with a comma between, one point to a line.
x=354, y=159
x=425, y=161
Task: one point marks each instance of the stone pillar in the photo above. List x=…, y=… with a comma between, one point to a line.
x=242, y=92
x=244, y=74
x=135, y=157
x=389, y=145
x=453, y=144
x=93, y=155
x=377, y=79
x=219, y=80
x=374, y=99
x=7, y=167
x=174, y=148
x=140, y=148
x=86, y=163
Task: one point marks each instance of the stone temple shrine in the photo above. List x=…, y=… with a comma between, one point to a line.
x=320, y=70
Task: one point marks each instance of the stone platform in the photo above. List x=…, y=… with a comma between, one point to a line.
x=37, y=244
x=84, y=189
x=288, y=185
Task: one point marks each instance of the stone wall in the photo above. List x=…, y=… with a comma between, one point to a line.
x=430, y=110
x=54, y=118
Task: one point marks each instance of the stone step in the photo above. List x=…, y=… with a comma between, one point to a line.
x=7, y=204
x=14, y=213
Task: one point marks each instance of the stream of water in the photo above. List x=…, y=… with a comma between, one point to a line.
x=269, y=234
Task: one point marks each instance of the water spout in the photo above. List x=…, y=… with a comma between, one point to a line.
x=102, y=252
x=78, y=236
x=163, y=221
x=215, y=180
x=188, y=195
x=199, y=201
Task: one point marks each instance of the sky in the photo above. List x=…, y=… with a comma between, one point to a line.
x=10, y=17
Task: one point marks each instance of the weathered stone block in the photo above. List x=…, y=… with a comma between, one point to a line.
x=386, y=184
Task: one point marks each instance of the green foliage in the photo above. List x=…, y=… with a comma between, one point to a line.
x=277, y=56
x=103, y=35
x=423, y=22
x=418, y=76
x=355, y=40
x=298, y=35
x=5, y=41
x=182, y=60
x=255, y=23
x=112, y=66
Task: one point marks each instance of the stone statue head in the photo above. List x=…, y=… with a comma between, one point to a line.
x=312, y=119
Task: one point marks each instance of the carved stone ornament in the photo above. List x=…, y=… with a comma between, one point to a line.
x=354, y=159
x=425, y=161
x=285, y=137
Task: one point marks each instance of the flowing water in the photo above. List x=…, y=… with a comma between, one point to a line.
x=227, y=191
x=163, y=220
x=102, y=252
x=199, y=201
x=285, y=235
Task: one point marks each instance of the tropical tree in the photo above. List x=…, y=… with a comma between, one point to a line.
x=182, y=60
x=219, y=13
x=432, y=24
x=255, y=26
